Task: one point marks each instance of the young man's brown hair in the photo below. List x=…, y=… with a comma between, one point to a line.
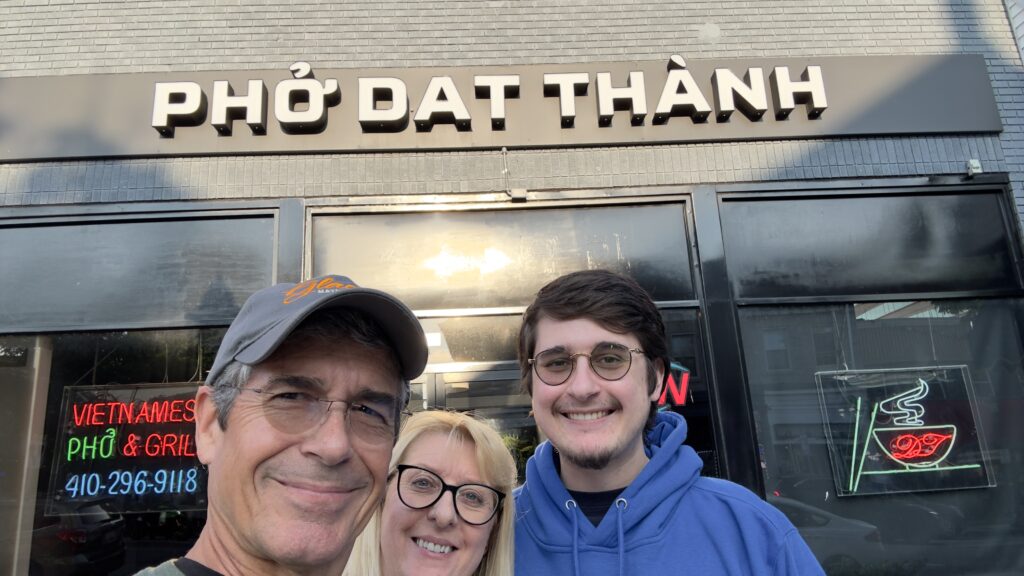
x=613, y=301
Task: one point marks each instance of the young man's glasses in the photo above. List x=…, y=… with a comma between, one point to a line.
x=609, y=360
x=298, y=411
x=420, y=488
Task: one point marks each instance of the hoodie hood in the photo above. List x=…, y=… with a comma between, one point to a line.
x=668, y=520
x=543, y=508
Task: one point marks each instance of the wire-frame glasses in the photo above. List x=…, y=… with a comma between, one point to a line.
x=609, y=360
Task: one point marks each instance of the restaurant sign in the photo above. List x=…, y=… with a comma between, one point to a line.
x=131, y=447
x=675, y=100
x=903, y=430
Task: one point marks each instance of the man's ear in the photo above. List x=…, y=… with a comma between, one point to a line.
x=659, y=372
x=208, y=430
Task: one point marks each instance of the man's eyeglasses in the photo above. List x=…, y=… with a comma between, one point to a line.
x=296, y=412
x=609, y=360
x=420, y=488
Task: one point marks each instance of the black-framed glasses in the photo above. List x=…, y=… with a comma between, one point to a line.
x=609, y=360
x=420, y=488
x=299, y=411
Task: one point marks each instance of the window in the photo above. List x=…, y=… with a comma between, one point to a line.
x=825, y=349
x=79, y=520
x=958, y=482
x=492, y=259
x=776, y=353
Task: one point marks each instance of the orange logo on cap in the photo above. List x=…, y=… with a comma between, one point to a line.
x=303, y=289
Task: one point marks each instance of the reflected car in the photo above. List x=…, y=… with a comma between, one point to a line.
x=902, y=518
x=842, y=545
x=84, y=539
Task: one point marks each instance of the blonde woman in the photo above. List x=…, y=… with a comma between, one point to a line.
x=448, y=508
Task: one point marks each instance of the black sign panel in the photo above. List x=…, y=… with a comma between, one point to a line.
x=667, y=100
x=903, y=430
x=132, y=447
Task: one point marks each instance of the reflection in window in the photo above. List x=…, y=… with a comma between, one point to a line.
x=693, y=400
x=497, y=397
x=473, y=367
x=775, y=353
x=914, y=243
x=457, y=260
x=825, y=354
x=936, y=531
x=94, y=536
x=472, y=338
x=685, y=347
x=13, y=356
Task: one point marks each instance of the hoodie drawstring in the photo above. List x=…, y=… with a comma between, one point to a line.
x=620, y=508
x=571, y=506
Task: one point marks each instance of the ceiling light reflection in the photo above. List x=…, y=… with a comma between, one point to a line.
x=446, y=264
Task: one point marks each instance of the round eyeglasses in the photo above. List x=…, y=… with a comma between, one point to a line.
x=370, y=421
x=608, y=360
x=420, y=488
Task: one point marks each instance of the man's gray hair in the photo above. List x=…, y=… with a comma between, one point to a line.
x=331, y=326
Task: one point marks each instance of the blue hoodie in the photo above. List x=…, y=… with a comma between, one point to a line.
x=670, y=520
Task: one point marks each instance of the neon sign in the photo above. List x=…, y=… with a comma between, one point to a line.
x=135, y=483
x=903, y=430
x=131, y=446
x=909, y=449
x=106, y=413
x=677, y=386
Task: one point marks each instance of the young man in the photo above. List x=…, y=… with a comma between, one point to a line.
x=296, y=423
x=614, y=490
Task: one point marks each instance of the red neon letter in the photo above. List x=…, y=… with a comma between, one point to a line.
x=175, y=415
x=99, y=413
x=143, y=415
x=187, y=449
x=127, y=412
x=158, y=411
x=81, y=417
x=678, y=391
x=153, y=445
x=170, y=445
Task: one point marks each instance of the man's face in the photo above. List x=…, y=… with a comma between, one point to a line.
x=594, y=423
x=296, y=499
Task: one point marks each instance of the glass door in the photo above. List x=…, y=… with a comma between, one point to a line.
x=470, y=274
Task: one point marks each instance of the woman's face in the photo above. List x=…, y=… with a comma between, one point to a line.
x=433, y=540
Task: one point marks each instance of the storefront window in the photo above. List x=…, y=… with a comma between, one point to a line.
x=471, y=339
x=110, y=483
x=893, y=437
x=459, y=260
x=473, y=262
x=111, y=274
x=837, y=245
x=473, y=368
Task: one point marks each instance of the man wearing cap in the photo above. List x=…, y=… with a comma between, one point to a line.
x=296, y=423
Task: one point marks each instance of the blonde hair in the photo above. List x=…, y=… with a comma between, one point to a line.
x=498, y=470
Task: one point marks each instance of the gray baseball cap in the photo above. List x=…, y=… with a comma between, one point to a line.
x=269, y=316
